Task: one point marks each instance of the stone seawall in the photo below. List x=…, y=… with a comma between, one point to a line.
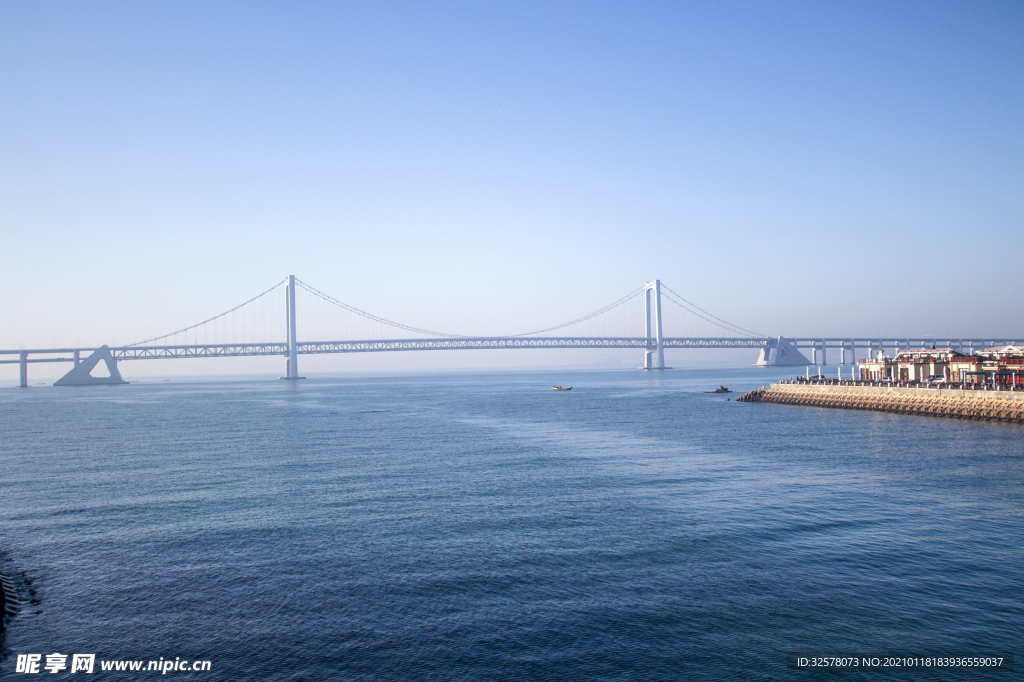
x=1003, y=406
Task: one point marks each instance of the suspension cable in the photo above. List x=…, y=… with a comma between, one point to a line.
x=157, y=338
x=712, y=319
x=686, y=305
x=605, y=309
x=720, y=322
x=370, y=316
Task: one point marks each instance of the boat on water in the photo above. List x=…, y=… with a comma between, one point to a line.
x=720, y=389
x=561, y=388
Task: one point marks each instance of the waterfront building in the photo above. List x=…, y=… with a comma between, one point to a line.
x=876, y=369
x=961, y=368
x=917, y=365
x=1002, y=365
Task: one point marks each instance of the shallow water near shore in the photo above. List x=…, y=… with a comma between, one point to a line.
x=480, y=526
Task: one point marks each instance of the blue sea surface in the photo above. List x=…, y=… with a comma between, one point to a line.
x=480, y=526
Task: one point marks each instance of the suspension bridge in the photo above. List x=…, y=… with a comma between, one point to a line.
x=268, y=325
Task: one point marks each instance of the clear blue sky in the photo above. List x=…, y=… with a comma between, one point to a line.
x=800, y=168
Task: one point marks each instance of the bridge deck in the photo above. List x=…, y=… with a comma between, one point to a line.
x=483, y=343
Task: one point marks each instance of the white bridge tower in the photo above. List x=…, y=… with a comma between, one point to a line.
x=293, y=365
x=658, y=347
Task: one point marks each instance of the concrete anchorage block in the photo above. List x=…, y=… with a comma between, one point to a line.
x=782, y=354
x=81, y=374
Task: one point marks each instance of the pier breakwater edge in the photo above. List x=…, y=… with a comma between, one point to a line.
x=955, y=403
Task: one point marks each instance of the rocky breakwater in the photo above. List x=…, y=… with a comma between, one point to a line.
x=1000, y=406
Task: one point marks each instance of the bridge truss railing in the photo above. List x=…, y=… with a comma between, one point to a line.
x=848, y=348
x=497, y=342
x=462, y=343
x=819, y=345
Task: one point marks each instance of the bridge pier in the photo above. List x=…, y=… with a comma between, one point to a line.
x=817, y=354
x=848, y=352
x=23, y=370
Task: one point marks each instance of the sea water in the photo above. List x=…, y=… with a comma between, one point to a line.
x=480, y=526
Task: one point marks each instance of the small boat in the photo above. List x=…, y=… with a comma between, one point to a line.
x=720, y=389
x=561, y=388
